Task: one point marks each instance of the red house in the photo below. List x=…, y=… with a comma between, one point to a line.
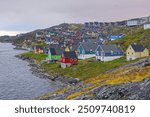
x=68, y=59
x=38, y=50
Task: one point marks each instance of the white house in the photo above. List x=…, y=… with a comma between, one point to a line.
x=108, y=52
x=133, y=22
x=147, y=26
x=137, y=21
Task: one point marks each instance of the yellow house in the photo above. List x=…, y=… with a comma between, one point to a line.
x=67, y=49
x=135, y=51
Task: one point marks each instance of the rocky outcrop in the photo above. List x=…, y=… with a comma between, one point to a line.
x=139, y=64
x=128, y=91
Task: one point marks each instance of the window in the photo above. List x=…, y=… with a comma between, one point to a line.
x=111, y=52
x=97, y=53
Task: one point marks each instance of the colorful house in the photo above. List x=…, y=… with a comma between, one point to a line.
x=115, y=37
x=54, y=52
x=50, y=34
x=67, y=49
x=108, y=52
x=87, y=49
x=38, y=49
x=68, y=59
x=49, y=40
x=135, y=51
x=52, y=55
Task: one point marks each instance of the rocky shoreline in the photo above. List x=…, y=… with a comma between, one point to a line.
x=41, y=73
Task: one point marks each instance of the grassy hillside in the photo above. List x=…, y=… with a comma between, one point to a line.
x=84, y=70
x=126, y=30
x=141, y=36
x=38, y=57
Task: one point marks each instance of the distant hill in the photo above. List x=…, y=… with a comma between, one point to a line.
x=140, y=36
x=7, y=38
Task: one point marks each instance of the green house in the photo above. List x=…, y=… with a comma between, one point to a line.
x=52, y=55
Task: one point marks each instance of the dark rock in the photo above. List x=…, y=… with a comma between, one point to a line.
x=130, y=91
x=73, y=81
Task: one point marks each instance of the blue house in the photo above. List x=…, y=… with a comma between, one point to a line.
x=115, y=37
x=49, y=40
x=108, y=52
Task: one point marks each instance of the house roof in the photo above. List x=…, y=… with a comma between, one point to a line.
x=53, y=52
x=137, y=47
x=48, y=38
x=38, y=47
x=75, y=45
x=134, y=19
x=58, y=50
x=90, y=44
x=70, y=54
x=39, y=33
x=110, y=48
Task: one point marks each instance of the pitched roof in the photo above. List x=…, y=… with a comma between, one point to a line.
x=53, y=52
x=70, y=54
x=137, y=47
x=110, y=48
x=75, y=45
x=38, y=47
x=90, y=44
x=59, y=50
x=39, y=33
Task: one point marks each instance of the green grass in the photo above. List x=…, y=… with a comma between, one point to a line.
x=38, y=57
x=126, y=30
x=85, y=69
x=39, y=44
x=141, y=37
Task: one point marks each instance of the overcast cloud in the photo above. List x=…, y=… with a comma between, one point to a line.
x=27, y=15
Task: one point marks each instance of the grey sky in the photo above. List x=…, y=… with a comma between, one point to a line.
x=27, y=15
